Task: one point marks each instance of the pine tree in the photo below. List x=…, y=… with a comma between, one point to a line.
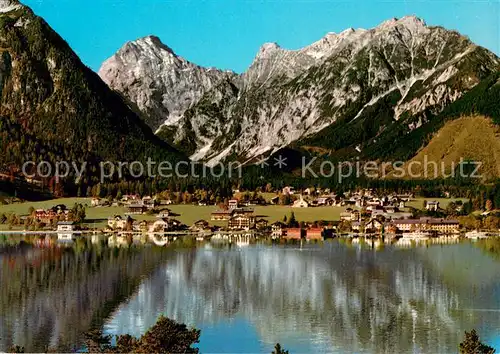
x=279, y=350
x=472, y=345
x=292, y=221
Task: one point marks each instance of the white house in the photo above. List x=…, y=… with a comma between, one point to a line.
x=300, y=203
x=65, y=226
x=164, y=214
x=117, y=222
x=148, y=202
x=432, y=205
x=373, y=225
x=161, y=225
x=325, y=201
x=277, y=229
x=66, y=236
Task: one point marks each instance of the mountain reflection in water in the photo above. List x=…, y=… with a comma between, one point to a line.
x=332, y=298
x=50, y=297
x=319, y=298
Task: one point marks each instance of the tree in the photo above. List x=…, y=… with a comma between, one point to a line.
x=279, y=350
x=16, y=349
x=292, y=222
x=98, y=191
x=346, y=226
x=284, y=199
x=451, y=209
x=472, y=345
x=489, y=205
x=470, y=222
x=96, y=342
x=166, y=336
x=492, y=222
x=77, y=213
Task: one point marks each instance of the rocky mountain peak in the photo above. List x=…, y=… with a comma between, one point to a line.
x=147, y=49
x=159, y=82
x=154, y=43
x=410, y=22
x=9, y=5
x=268, y=49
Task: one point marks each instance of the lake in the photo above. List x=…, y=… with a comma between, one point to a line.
x=328, y=297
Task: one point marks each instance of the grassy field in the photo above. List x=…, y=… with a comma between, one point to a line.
x=22, y=208
x=276, y=212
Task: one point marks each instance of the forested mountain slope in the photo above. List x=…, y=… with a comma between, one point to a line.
x=52, y=107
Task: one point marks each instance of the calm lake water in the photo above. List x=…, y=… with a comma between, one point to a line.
x=331, y=297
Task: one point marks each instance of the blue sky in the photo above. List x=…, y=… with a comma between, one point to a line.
x=228, y=33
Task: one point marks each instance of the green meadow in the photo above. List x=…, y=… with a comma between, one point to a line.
x=188, y=214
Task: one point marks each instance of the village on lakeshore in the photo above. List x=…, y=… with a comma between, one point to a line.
x=361, y=213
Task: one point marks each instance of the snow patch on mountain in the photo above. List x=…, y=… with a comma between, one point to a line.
x=9, y=5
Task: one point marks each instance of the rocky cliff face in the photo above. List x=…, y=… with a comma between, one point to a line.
x=161, y=84
x=338, y=93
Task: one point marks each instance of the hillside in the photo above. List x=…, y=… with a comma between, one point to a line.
x=473, y=138
x=55, y=108
x=400, y=142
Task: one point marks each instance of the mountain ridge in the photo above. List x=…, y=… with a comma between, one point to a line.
x=402, y=71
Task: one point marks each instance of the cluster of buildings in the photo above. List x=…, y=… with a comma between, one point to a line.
x=365, y=212
x=403, y=227
x=134, y=204
x=47, y=216
x=442, y=226
x=238, y=218
x=406, y=225
x=281, y=231
x=387, y=214
x=164, y=223
x=360, y=199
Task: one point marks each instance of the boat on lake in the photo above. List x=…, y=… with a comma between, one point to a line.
x=417, y=235
x=476, y=235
